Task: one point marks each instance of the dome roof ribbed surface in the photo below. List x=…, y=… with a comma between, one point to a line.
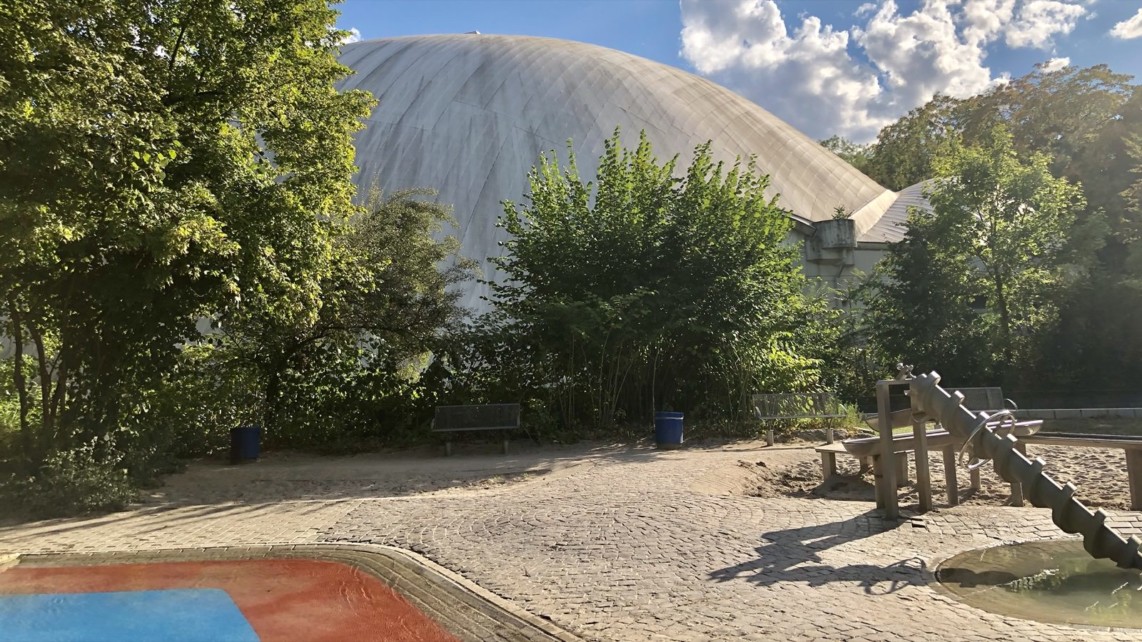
x=468, y=115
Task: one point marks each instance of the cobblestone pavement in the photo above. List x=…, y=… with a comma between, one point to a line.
x=636, y=544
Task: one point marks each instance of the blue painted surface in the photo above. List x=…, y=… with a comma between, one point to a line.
x=179, y=615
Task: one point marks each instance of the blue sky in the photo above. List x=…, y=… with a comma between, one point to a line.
x=826, y=66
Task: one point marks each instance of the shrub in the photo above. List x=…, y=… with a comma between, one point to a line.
x=89, y=478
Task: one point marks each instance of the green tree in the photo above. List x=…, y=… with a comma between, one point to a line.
x=922, y=304
x=385, y=303
x=904, y=151
x=998, y=230
x=1082, y=119
x=1064, y=113
x=854, y=154
x=1079, y=117
x=159, y=161
x=659, y=292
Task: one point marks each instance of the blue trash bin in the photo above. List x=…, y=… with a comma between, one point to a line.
x=245, y=444
x=668, y=430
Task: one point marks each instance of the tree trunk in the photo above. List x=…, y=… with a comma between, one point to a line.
x=26, y=440
x=45, y=380
x=273, y=389
x=1004, y=321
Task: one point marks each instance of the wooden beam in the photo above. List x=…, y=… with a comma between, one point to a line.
x=1134, y=470
x=828, y=465
x=950, y=481
x=923, y=474
x=886, y=476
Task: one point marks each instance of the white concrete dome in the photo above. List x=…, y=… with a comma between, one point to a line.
x=469, y=115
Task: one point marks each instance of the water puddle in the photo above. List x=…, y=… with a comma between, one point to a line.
x=1049, y=581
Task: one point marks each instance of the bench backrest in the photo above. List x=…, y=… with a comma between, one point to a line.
x=491, y=415
x=989, y=399
x=796, y=405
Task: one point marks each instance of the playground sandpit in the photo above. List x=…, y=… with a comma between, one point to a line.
x=1052, y=581
x=1099, y=474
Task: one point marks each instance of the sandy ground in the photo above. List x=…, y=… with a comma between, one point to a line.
x=1098, y=473
x=284, y=476
x=785, y=470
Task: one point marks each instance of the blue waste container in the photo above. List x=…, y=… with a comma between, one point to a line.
x=245, y=444
x=668, y=430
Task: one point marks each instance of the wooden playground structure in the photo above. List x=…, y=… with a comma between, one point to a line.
x=996, y=437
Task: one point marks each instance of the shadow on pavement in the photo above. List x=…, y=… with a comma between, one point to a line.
x=209, y=488
x=793, y=555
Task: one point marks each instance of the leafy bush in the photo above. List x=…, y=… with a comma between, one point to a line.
x=644, y=292
x=89, y=478
x=347, y=397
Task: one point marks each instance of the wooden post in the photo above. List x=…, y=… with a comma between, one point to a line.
x=769, y=436
x=878, y=477
x=829, y=435
x=951, y=484
x=448, y=447
x=828, y=465
x=1134, y=471
x=923, y=474
x=901, y=469
x=886, y=478
x=974, y=476
x=1016, y=487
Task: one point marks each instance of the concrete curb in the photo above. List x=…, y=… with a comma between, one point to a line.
x=1079, y=413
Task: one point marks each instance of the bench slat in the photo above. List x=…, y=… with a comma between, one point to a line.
x=475, y=428
x=794, y=405
x=989, y=399
x=503, y=416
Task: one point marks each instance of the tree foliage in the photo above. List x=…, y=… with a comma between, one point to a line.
x=903, y=152
x=997, y=241
x=1083, y=121
x=385, y=304
x=1077, y=116
x=644, y=291
x=159, y=161
x=854, y=154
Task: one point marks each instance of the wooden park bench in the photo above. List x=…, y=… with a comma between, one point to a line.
x=500, y=417
x=989, y=399
x=796, y=405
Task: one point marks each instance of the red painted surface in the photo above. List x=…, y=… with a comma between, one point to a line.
x=283, y=599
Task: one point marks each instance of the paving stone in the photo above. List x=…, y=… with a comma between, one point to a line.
x=624, y=548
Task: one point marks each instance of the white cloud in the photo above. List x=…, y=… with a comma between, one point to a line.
x=1039, y=20
x=984, y=19
x=921, y=54
x=1129, y=28
x=1055, y=64
x=354, y=35
x=813, y=75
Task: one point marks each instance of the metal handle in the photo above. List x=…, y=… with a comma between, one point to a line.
x=984, y=419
